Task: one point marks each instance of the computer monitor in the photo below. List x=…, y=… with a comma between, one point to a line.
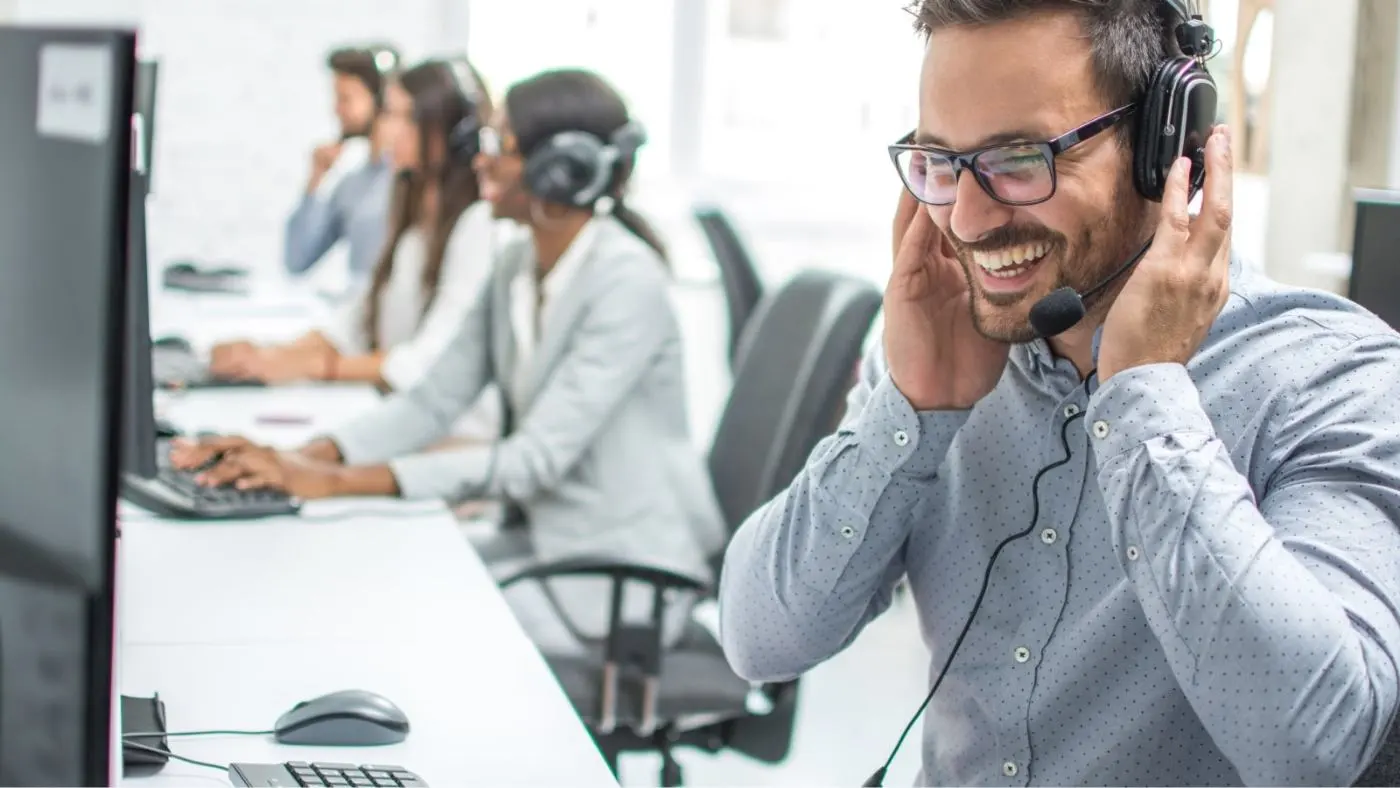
x=65, y=150
x=1375, y=254
x=138, y=381
x=147, y=73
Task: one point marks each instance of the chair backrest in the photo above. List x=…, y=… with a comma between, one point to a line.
x=789, y=386
x=1385, y=769
x=742, y=286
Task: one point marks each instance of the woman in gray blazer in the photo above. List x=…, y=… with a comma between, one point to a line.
x=576, y=328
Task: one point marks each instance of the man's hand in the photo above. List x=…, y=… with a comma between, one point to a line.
x=257, y=468
x=1178, y=289
x=322, y=159
x=937, y=358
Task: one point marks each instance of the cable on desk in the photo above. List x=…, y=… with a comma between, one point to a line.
x=155, y=734
x=169, y=754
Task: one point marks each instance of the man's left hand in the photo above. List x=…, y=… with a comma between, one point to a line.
x=1168, y=305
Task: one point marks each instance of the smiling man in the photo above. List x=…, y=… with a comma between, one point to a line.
x=1157, y=544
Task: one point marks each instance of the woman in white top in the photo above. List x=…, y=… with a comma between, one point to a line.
x=437, y=256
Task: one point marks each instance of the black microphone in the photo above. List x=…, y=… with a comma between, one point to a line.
x=1063, y=308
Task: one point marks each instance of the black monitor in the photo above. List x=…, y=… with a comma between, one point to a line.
x=1375, y=254
x=147, y=72
x=65, y=147
x=138, y=384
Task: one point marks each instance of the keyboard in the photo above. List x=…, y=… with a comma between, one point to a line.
x=178, y=367
x=174, y=493
x=339, y=775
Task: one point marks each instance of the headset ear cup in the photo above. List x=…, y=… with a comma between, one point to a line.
x=1178, y=113
x=1147, y=142
x=562, y=169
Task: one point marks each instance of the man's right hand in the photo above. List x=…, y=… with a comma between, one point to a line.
x=936, y=356
x=322, y=159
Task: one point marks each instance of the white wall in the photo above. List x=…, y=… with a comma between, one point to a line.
x=243, y=97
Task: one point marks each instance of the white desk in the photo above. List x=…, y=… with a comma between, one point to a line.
x=233, y=623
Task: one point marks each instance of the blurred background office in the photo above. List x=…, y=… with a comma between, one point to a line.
x=778, y=111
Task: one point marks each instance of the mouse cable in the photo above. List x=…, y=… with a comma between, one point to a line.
x=157, y=734
x=878, y=778
x=169, y=754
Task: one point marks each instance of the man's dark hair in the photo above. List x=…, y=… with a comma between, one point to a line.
x=1129, y=39
x=363, y=64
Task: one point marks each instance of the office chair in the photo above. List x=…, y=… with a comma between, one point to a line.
x=742, y=287
x=789, y=386
x=1385, y=769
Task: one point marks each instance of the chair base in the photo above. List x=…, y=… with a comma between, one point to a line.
x=710, y=738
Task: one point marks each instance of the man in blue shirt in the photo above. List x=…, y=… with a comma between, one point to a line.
x=347, y=195
x=1184, y=508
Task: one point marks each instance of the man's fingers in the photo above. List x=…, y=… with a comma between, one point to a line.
x=1174, y=227
x=904, y=214
x=227, y=470
x=1211, y=229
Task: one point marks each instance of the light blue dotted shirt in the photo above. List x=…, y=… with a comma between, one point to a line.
x=1211, y=594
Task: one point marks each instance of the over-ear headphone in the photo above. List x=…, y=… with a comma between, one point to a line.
x=464, y=139
x=576, y=167
x=1176, y=113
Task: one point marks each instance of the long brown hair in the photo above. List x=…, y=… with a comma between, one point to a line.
x=449, y=102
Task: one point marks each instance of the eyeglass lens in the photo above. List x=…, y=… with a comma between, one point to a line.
x=1013, y=173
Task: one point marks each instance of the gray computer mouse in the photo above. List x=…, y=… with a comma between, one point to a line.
x=349, y=718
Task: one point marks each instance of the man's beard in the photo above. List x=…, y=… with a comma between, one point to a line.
x=1097, y=250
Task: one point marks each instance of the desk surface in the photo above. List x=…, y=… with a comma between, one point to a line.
x=233, y=623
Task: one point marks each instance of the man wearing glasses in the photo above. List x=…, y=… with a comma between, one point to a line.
x=1158, y=545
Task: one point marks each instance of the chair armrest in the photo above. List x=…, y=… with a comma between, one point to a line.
x=628, y=648
x=606, y=567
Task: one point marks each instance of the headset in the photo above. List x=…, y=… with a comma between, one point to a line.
x=1175, y=117
x=1176, y=113
x=464, y=139
x=577, y=168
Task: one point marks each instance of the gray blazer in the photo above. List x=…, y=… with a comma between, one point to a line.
x=600, y=460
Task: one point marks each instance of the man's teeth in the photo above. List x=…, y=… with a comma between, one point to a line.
x=995, y=262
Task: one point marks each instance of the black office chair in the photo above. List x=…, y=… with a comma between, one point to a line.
x=1385, y=769
x=742, y=287
x=789, y=389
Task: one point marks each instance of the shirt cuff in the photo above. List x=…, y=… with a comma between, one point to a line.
x=1142, y=403
x=450, y=475
x=900, y=439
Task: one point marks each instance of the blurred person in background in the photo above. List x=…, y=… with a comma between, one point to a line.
x=440, y=244
x=577, y=329
x=347, y=193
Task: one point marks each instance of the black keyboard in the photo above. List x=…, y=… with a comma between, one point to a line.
x=339, y=775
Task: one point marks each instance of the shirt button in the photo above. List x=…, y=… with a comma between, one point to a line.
x=1009, y=769
x=901, y=438
x=1100, y=429
x=1071, y=410
x=1132, y=553
x=1022, y=654
x=847, y=531
x=1049, y=536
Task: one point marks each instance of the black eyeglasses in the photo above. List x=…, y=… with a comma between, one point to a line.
x=1017, y=173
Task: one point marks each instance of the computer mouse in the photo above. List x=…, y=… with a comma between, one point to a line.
x=181, y=267
x=349, y=718
x=165, y=429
